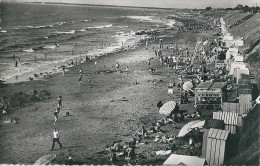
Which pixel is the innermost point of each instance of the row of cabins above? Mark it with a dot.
(218, 140)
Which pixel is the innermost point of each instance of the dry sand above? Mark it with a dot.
(111, 107)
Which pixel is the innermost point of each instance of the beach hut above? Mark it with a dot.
(238, 72)
(235, 66)
(234, 108)
(245, 103)
(176, 159)
(215, 146)
(209, 93)
(244, 89)
(219, 64)
(231, 52)
(245, 79)
(230, 120)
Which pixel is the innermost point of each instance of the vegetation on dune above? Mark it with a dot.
(247, 51)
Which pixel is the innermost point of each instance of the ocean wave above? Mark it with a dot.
(3, 31)
(28, 50)
(144, 18)
(81, 30)
(100, 27)
(60, 23)
(51, 46)
(171, 23)
(34, 27)
(44, 26)
(61, 33)
(123, 37)
(85, 20)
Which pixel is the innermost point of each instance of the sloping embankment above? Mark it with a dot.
(248, 27)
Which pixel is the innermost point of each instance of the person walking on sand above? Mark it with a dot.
(60, 102)
(126, 71)
(56, 116)
(80, 71)
(56, 138)
(80, 78)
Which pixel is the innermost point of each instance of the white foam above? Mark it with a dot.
(69, 32)
(3, 31)
(153, 19)
(51, 46)
(171, 23)
(100, 27)
(82, 30)
(144, 18)
(60, 23)
(28, 50)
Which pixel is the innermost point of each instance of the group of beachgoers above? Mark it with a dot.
(202, 74)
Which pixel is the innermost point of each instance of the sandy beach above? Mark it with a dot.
(106, 106)
(110, 106)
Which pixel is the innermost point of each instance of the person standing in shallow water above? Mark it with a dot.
(56, 138)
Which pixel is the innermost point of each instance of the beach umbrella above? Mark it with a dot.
(198, 124)
(167, 108)
(187, 85)
(187, 128)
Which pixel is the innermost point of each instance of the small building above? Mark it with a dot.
(234, 108)
(220, 64)
(238, 73)
(244, 89)
(215, 146)
(230, 120)
(209, 93)
(184, 160)
(245, 79)
(236, 65)
(245, 103)
(231, 52)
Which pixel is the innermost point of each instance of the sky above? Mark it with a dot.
(162, 3)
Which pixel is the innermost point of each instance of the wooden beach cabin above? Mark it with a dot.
(184, 160)
(238, 72)
(245, 103)
(220, 64)
(234, 108)
(245, 94)
(230, 120)
(209, 93)
(216, 146)
(245, 79)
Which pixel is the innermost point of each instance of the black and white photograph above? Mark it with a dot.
(129, 82)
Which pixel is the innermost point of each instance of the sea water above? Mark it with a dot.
(43, 37)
